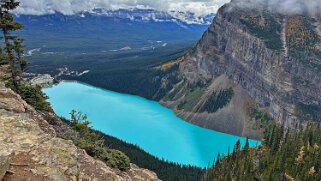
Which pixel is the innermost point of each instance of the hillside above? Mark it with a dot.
(30, 148)
(251, 66)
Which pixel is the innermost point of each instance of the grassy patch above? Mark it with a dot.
(191, 99)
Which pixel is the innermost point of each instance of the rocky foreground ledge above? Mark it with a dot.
(30, 150)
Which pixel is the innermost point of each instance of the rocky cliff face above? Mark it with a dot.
(30, 150)
(272, 62)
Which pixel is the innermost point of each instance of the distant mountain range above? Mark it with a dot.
(150, 15)
(145, 15)
(106, 30)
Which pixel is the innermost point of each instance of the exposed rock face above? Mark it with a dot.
(45, 79)
(35, 153)
(274, 58)
(4, 166)
(40, 79)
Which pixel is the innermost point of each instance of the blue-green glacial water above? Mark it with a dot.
(139, 121)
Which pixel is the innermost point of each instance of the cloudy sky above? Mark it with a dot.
(284, 6)
(68, 7)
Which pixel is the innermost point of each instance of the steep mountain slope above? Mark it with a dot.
(30, 149)
(251, 66)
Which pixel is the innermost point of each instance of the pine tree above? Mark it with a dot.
(19, 49)
(246, 146)
(237, 147)
(8, 25)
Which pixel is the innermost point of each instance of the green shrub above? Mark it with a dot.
(94, 145)
(35, 97)
(118, 160)
(113, 158)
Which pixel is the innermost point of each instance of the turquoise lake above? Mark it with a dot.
(139, 121)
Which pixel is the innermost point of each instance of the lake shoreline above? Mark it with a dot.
(144, 123)
(159, 102)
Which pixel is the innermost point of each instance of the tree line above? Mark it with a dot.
(284, 155)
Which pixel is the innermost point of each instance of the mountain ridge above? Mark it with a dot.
(264, 55)
(142, 15)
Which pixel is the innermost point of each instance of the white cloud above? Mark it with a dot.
(199, 7)
(68, 7)
(283, 6)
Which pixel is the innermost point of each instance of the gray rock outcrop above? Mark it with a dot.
(30, 150)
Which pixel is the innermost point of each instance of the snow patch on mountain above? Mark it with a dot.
(147, 15)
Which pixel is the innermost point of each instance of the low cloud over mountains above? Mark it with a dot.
(283, 6)
(69, 7)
